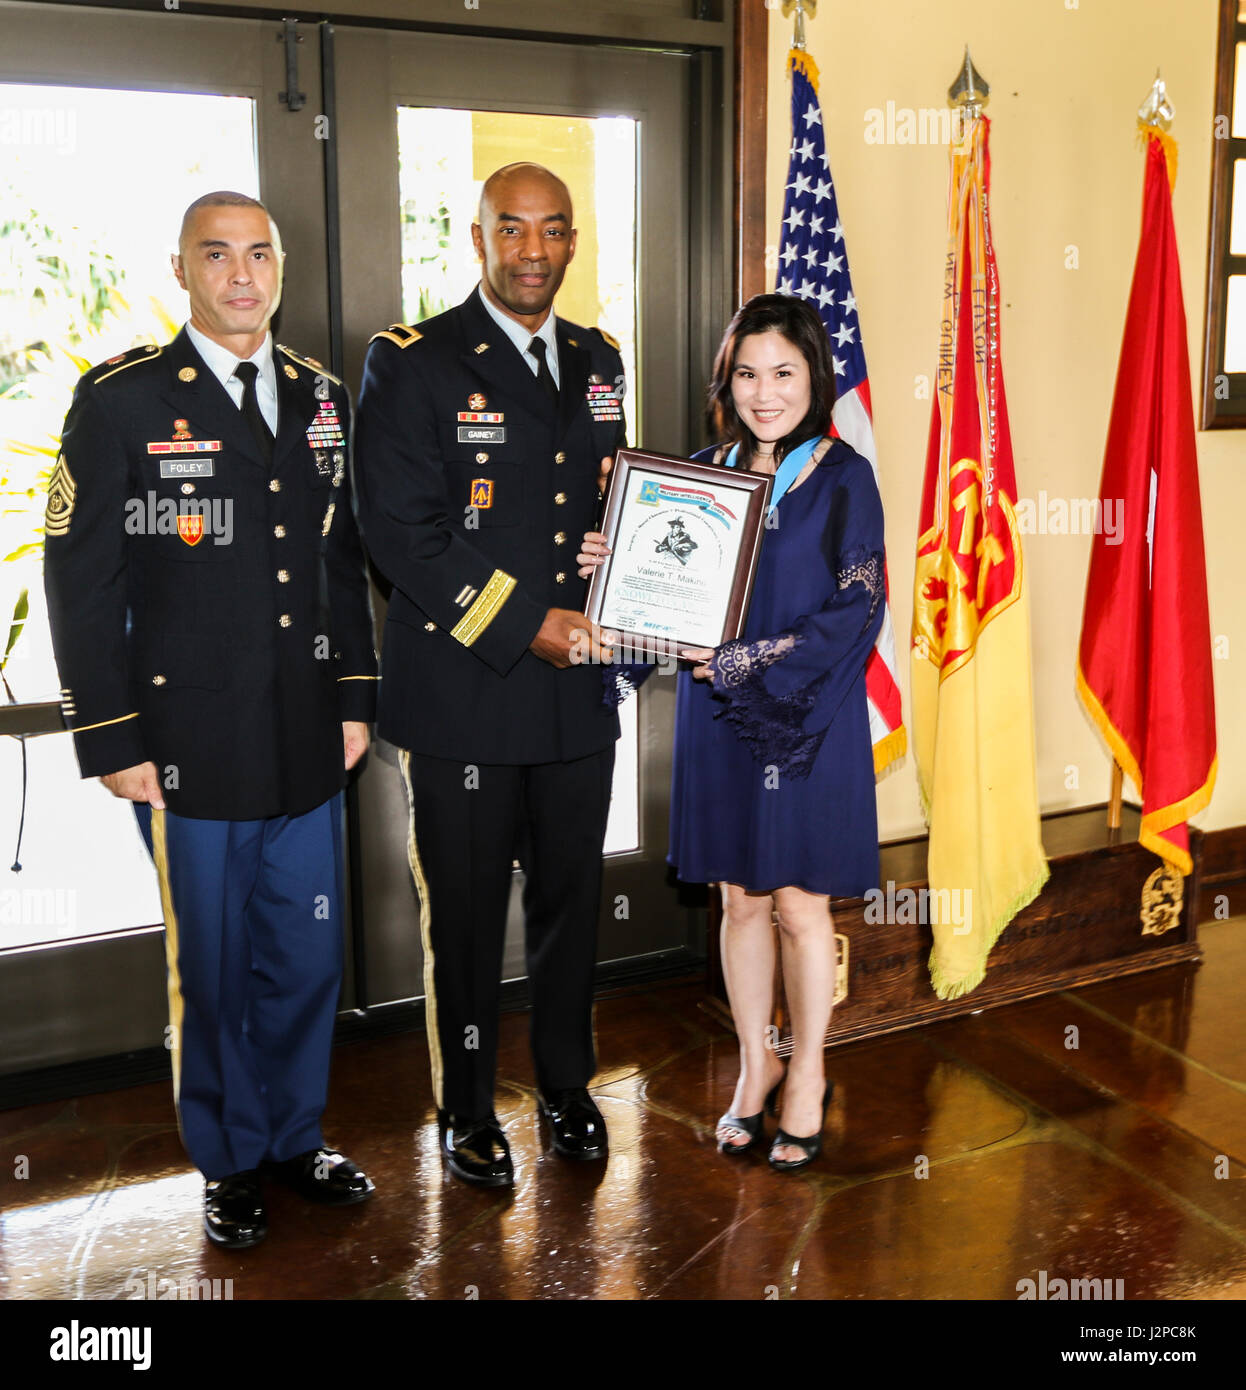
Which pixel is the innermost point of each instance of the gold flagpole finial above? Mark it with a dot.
(801, 7)
(970, 91)
(1157, 110)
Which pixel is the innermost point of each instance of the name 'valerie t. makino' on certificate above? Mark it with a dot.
(684, 538)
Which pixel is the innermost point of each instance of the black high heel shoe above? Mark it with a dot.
(811, 1147)
(748, 1124)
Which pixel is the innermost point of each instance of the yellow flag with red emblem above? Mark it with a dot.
(972, 704)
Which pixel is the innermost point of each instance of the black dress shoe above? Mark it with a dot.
(325, 1176)
(476, 1150)
(579, 1130)
(233, 1210)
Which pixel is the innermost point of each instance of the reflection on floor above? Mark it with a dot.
(1096, 1134)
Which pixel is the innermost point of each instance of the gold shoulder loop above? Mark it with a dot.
(309, 362)
(401, 334)
(103, 370)
(614, 342)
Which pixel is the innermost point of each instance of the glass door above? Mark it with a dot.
(436, 115)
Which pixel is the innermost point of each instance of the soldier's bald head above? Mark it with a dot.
(222, 198)
(513, 177)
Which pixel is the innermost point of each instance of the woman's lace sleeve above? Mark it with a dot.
(771, 725)
(619, 681)
(863, 566)
(780, 693)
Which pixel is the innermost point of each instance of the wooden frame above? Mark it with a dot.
(756, 488)
(752, 44)
(1224, 393)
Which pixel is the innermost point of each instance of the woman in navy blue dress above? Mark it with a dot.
(773, 783)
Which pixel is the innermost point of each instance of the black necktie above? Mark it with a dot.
(247, 372)
(545, 378)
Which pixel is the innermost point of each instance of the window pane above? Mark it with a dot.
(93, 182)
(444, 157)
(1235, 325)
(1239, 94)
(1237, 223)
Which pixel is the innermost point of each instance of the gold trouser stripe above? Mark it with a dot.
(426, 939)
(104, 723)
(160, 852)
(485, 609)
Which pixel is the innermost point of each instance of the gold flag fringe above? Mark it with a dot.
(1152, 132)
(946, 987)
(798, 58)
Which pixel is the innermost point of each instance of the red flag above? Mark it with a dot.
(1144, 664)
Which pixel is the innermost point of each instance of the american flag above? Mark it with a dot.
(813, 264)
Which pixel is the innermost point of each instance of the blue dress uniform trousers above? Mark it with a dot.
(253, 934)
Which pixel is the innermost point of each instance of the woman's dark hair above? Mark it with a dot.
(799, 323)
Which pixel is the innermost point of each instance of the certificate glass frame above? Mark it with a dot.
(685, 539)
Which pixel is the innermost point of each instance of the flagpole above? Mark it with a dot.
(971, 91)
(1114, 804)
(800, 7)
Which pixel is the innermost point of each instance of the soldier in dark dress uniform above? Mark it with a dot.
(482, 435)
(210, 617)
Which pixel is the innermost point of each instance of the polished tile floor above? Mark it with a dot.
(1097, 1134)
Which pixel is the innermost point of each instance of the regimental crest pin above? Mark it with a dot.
(181, 429)
(190, 528)
(476, 401)
(482, 493)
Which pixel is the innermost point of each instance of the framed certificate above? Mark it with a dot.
(685, 539)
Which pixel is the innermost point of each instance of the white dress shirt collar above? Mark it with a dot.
(221, 362)
(521, 337)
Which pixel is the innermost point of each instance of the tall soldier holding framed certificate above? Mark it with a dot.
(481, 436)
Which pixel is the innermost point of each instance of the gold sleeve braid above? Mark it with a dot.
(485, 609)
